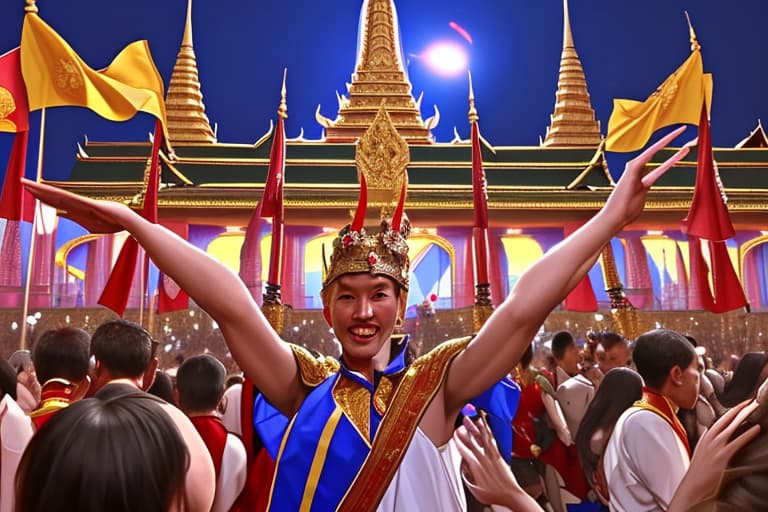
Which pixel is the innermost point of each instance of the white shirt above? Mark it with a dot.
(231, 415)
(574, 396)
(15, 433)
(644, 462)
(232, 475)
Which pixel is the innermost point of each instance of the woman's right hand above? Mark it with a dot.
(95, 216)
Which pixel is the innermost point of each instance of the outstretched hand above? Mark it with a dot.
(95, 216)
(628, 198)
(713, 453)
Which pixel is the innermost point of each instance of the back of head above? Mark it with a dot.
(560, 342)
(120, 455)
(123, 347)
(200, 381)
(657, 352)
(745, 380)
(620, 388)
(611, 339)
(20, 360)
(62, 353)
(7, 379)
(162, 387)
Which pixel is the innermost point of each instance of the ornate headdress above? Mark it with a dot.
(382, 158)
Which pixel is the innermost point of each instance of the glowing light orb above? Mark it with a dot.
(446, 58)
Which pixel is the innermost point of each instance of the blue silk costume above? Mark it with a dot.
(320, 451)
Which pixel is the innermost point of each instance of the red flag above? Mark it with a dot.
(729, 294)
(700, 294)
(582, 297)
(16, 203)
(270, 206)
(118, 288)
(170, 296)
(479, 184)
(708, 216)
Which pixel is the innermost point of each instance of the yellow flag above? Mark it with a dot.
(56, 76)
(677, 100)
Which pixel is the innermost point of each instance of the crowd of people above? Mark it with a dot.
(377, 429)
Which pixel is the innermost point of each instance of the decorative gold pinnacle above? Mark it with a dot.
(472, 115)
(31, 6)
(187, 121)
(573, 121)
(694, 42)
(623, 312)
(282, 110)
(379, 76)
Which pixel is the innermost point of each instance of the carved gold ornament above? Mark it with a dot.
(67, 77)
(7, 105)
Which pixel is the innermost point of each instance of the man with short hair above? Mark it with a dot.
(612, 352)
(125, 364)
(61, 362)
(648, 453)
(566, 356)
(200, 388)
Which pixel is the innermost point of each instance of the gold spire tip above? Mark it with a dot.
(567, 33)
(31, 6)
(282, 111)
(694, 42)
(186, 39)
(472, 115)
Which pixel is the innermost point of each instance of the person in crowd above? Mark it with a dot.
(612, 351)
(200, 388)
(15, 433)
(162, 387)
(364, 296)
(648, 452)
(124, 365)
(623, 387)
(751, 371)
(28, 392)
(566, 356)
(61, 360)
(122, 454)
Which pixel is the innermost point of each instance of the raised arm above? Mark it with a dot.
(503, 339)
(255, 346)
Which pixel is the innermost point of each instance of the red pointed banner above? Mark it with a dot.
(581, 298)
(480, 203)
(729, 294)
(15, 203)
(708, 216)
(118, 288)
(270, 206)
(700, 294)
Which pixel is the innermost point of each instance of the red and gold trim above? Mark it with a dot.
(658, 403)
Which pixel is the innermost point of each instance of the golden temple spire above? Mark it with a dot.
(30, 6)
(187, 121)
(380, 76)
(472, 114)
(573, 121)
(282, 110)
(694, 42)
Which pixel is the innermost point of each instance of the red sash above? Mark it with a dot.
(655, 402)
(214, 435)
(55, 396)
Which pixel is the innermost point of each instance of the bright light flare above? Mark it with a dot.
(446, 58)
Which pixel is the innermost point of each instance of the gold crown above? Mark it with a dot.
(382, 158)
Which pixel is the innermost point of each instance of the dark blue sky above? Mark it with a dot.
(627, 48)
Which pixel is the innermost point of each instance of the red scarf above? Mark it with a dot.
(655, 402)
(214, 435)
(56, 395)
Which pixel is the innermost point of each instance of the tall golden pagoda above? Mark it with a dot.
(187, 121)
(379, 77)
(573, 121)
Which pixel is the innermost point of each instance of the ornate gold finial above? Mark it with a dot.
(187, 121)
(379, 75)
(623, 312)
(694, 42)
(282, 110)
(31, 6)
(473, 116)
(573, 121)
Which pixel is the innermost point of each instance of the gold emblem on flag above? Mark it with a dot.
(67, 77)
(7, 105)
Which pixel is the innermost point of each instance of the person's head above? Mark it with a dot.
(21, 360)
(200, 384)
(163, 387)
(621, 387)
(565, 352)
(669, 365)
(749, 374)
(612, 352)
(7, 379)
(120, 455)
(123, 350)
(62, 354)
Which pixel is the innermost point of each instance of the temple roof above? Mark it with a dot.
(756, 138)
(573, 121)
(187, 121)
(379, 78)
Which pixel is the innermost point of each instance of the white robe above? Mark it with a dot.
(428, 478)
(234, 471)
(15, 433)
(644, 462)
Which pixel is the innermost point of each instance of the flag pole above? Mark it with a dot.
(142, 285)
(27, 285)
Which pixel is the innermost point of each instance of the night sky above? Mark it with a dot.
(627, 49)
